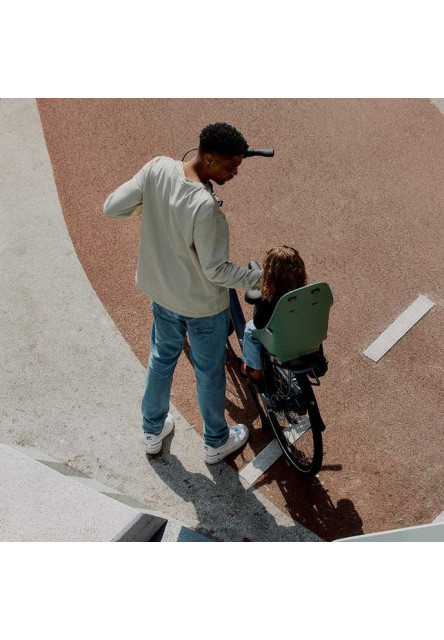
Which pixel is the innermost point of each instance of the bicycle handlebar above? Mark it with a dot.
(266, 153)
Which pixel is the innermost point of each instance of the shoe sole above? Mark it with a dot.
(154, 450)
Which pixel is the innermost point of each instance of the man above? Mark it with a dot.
(183, 267)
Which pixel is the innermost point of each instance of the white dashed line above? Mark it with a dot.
(261, 462)
(399, 328)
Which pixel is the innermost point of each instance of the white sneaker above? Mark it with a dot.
(153, 443)
(238, 436)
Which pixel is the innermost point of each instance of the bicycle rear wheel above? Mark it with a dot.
(297, 425)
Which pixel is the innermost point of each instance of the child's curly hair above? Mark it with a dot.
(284, 271)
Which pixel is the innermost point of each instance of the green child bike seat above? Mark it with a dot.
(299, 322)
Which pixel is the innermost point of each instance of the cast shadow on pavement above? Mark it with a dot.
(227, 511)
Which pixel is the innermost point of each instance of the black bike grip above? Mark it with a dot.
(266, 153)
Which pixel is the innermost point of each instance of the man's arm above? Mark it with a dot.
(126, 200)
(211, 239)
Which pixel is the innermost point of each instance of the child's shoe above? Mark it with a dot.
(256, 374)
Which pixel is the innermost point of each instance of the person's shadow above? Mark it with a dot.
(227, 511)
(223, 506)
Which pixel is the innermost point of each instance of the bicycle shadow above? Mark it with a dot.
(307, 501)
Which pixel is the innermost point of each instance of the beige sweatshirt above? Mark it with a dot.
(184, 242)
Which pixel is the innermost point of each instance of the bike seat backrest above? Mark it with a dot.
(299, 322)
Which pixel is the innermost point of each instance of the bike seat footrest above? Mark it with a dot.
(313, 361)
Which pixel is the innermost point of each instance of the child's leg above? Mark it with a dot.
(251, 354)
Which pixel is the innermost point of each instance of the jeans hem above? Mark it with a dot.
(250, 364)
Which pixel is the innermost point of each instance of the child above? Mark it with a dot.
(284, 271)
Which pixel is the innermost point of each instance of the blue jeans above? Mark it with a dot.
(251, 353)
(207, 337)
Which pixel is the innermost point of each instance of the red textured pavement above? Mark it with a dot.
(357, 187)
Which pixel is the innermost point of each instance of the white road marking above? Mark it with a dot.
(261, 462)
(399, 328)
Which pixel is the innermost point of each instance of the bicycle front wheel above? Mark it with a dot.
(297, 426)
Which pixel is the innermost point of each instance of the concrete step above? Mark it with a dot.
(433, 532)
(174, 531)
(42, 499)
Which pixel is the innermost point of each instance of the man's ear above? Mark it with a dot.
(208, 157)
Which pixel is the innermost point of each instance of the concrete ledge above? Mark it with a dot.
(140, 529)
(174, 531)
(41, 500)
(143, 524)
(433, 532)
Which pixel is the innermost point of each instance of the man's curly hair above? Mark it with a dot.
(284, 271)
(222, 138)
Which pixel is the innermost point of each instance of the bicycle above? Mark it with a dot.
(284, 397)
